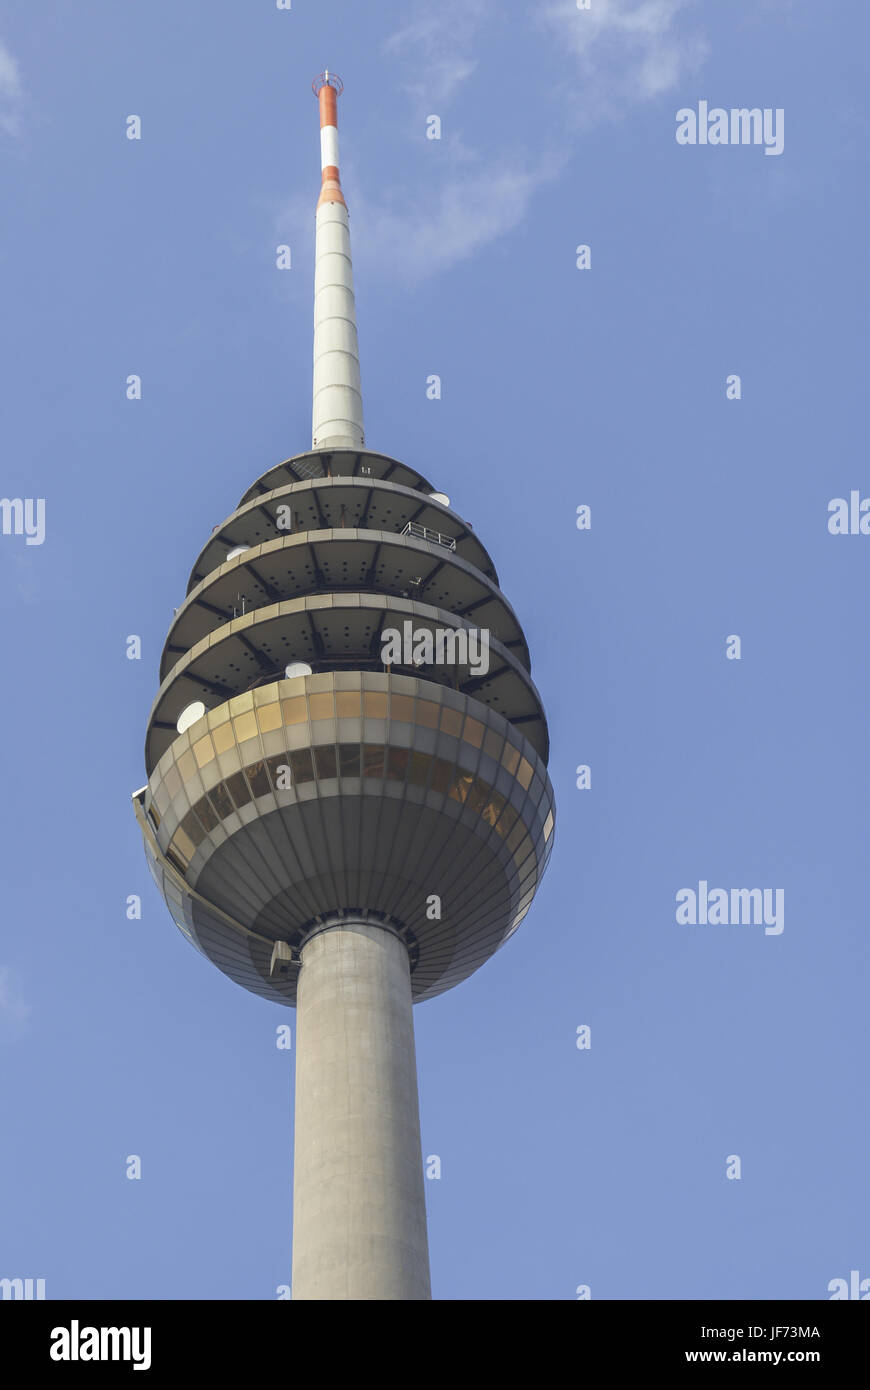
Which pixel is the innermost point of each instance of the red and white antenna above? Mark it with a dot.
(337, 414)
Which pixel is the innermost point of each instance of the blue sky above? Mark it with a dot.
(561, 387)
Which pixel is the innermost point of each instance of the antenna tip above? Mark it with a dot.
(327, 79)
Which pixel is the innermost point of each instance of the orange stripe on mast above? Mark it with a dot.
(327, 88)
(328, 98)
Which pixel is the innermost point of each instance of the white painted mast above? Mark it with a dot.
(337, 414)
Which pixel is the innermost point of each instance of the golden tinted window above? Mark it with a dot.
(322, 706)
(295, 711)
(203, 751)
(186, 766)
(177, 859)
(245, 726)
(348, 704)
(451, 721)
(183, 845)
(375, 704)
(492, 743)
(510, 758)
(269, 717)
(524, 775)
(172, 782)
(402, 707)
(223, 738)
(427, 714)
(473, 733)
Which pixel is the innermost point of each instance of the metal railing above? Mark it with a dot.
(423, 533)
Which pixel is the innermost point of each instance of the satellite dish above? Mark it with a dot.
(189, 715)
(239, 550)
(440, 497)
(297, 668)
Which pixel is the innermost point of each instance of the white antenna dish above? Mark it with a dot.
(189, 715)
(239, 550)
(440, 497)
(297, 668)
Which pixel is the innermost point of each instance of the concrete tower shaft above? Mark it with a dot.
(337, 413)
(359, 1211)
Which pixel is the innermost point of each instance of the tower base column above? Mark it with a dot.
(359, 1211)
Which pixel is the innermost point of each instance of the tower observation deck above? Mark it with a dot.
(347, 806)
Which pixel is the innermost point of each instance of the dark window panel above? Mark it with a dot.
(324, 758)
(258, 778)
(301, 766)
(238, 789)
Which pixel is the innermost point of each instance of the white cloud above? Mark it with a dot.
(627, 51)
(611, 57)
(453, 222)
(11, 92)
(13, 1010)
(438, 43)
(442, 225)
